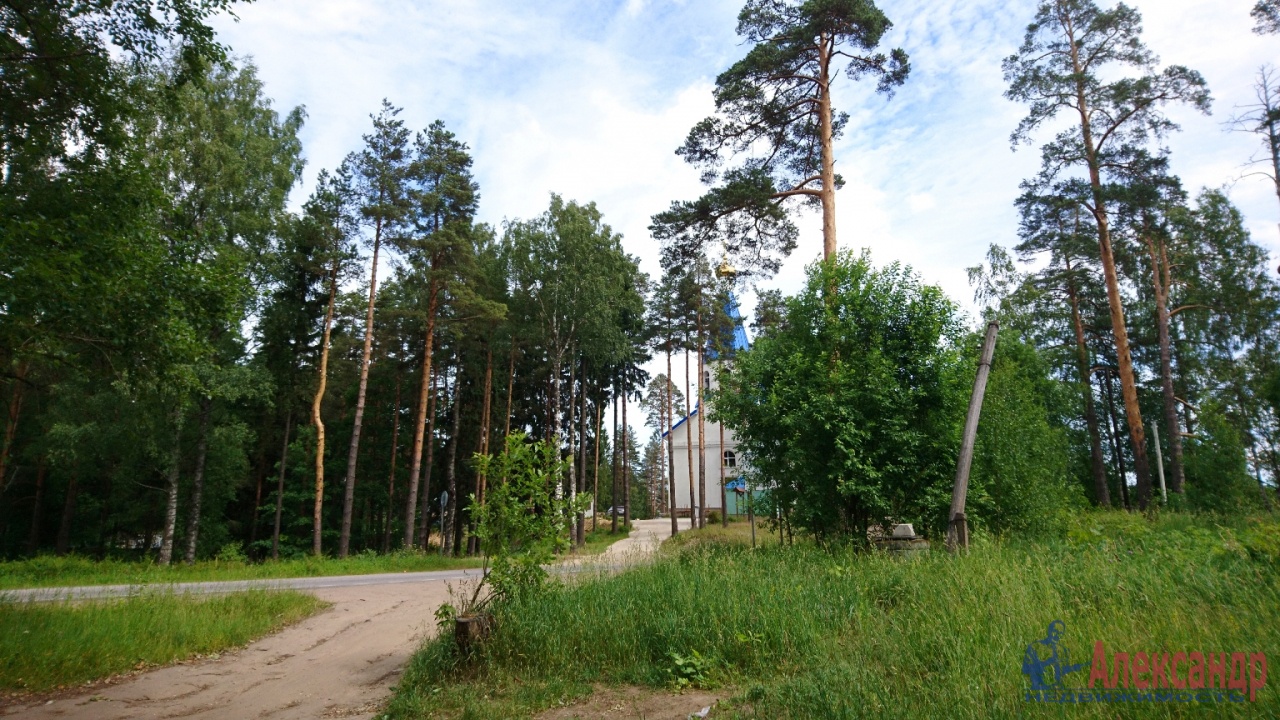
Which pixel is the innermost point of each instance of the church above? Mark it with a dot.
(724, 463)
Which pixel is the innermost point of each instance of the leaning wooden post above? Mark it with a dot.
(957, 527)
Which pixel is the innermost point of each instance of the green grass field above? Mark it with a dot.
(50, 645)
(52, 571)
(798, 632)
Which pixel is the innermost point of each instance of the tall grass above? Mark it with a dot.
(797, 632)
(52, 571)
(48, 645)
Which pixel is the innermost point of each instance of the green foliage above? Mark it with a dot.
(1018, 481)
(50, 645)
(849, 410)
(799, 632)
(523, 522)
(690, 670)
(1217, 472)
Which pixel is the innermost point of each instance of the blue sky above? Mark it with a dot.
(590, 100)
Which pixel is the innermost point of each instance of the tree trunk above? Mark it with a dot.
(391, 477)
(826, 132)
(1161, 280)
(671, 447)
(353, 453)
(613, 493)
(284, 462)
(1115, 445)
(11, 422)
(171, 492)
(573, 449)
(315, 410)
(68, 516)
(581, 520)
(1096, 462)
(688, 432)
(197, 484)
(482, 479)
(595, 476)
(419, 426)
(702, 414)
(724, 495)
(451, 477)
(626, 463)
(1128, 385)
(424, 499)
(257, 494)
(37, 508)
(511, 380)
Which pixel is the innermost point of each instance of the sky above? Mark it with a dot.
(591, 99)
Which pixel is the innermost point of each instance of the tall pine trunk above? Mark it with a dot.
(315, 411)
(63, 543)
(573, 449)
(1128, 384)
(451, 476)
(1161, 278)
(353, 453)
(580, 523)
(391, 479)
(197, 483)
(424, 499)
(11, 421)
(688, 432)
(613, 493)
(595, 476)
(1096, 463)
(37, 508)
(1117, 450)
(284, 463)
(826, 134)
(482, 479)
(419, 427)
(671, 445)
(626, 463)
(702, 434)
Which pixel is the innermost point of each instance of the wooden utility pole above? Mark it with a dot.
(957, 526)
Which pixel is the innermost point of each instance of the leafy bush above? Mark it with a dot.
(850, 408)
(1019, 480)
(1217, 474)
(523, 522)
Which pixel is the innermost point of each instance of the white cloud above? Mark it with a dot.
(590, 101)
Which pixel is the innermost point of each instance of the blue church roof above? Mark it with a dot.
(740, 341)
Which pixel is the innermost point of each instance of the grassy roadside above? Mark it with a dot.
(45, 646)
(52, 571)
(600, 540)
(797, 632)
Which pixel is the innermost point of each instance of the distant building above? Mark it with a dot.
(724, 463)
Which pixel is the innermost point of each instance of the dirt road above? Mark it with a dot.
(341, 663)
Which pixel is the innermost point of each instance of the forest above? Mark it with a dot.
(193, 365)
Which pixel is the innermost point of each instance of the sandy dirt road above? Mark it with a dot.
(340, 663)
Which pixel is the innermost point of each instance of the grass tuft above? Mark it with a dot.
(44, 646)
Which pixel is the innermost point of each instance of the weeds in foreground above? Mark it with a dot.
(797, 632)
